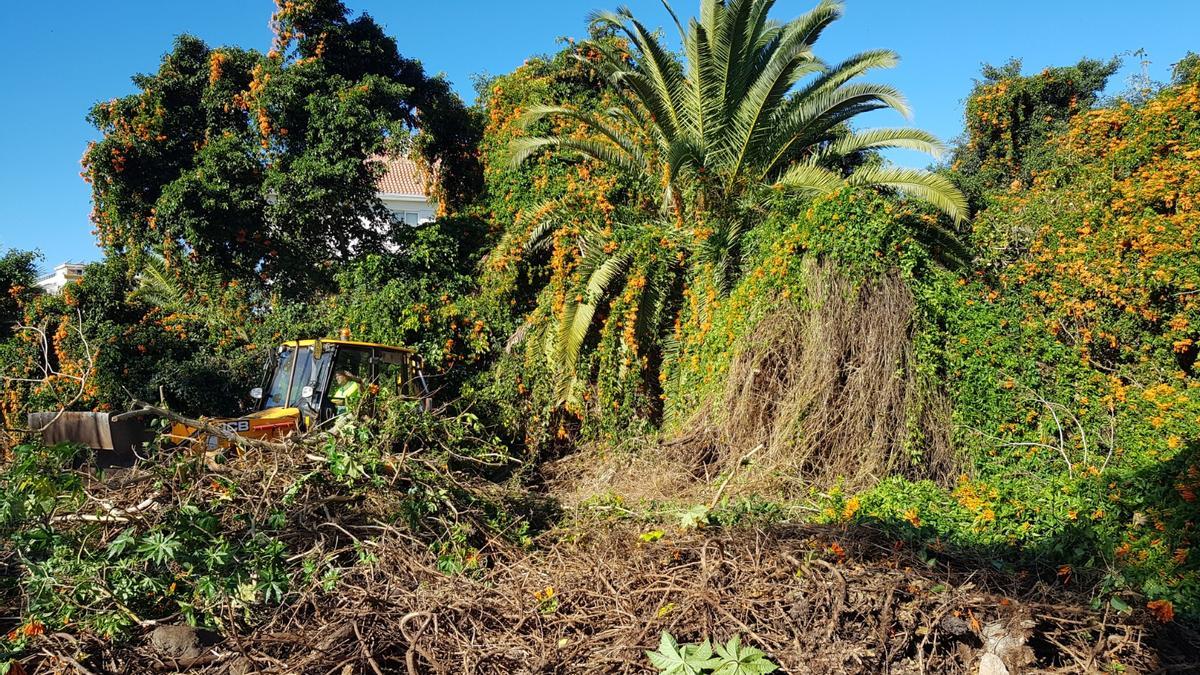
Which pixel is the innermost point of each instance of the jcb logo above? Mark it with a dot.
(237, 426)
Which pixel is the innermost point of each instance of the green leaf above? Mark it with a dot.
(123, 541)
(738, 660)
(1119, 604)
(694, 518)
(674, 659)
(159, 547)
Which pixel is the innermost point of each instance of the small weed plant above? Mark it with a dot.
(731, 658)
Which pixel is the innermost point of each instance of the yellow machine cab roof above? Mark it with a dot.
(353, 343)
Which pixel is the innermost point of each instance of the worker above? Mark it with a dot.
(348, 387)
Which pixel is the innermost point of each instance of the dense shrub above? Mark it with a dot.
(1071, 368)
(523, 284)
(105, 345)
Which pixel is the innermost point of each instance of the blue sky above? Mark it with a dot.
(61, 57)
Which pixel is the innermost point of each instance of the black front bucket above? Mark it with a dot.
(121, 438)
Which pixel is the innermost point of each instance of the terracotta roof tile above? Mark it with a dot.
(402, 176)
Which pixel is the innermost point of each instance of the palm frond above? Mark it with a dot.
(595, 124)
(802, 122)
(652, 303)
(929, 187)
(522, 148)
(841, 74)
(810, 179)
(657, 76)
(577, 317)
(539, 236)
(157, 286)
(674, 17)
(907, 138)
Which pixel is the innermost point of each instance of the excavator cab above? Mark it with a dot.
(317, 378)
(307, 383)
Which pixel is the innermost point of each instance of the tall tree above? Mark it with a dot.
(250, 166)
(747, 108)
(17, 276)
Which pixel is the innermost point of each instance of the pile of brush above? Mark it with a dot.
(816, 600)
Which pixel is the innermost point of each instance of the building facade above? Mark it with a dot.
(402, 190)
(62, 275)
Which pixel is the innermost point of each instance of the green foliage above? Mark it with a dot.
(420, 297)
(602, 284)
(732, 658)
(1186, 70)
(187, 560)
(520, 389)
(232, 191)
(694, 518)
(106, 342)
(17, 278)
(1067, 358)
(605, 231)
(1069, 361)
(257, 167)
(698, 139)
(865, 234)
(675, 659)
(234, 546)
(737, 659)
(1010, 118)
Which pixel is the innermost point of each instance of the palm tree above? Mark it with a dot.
(157, 286)
(748, 107)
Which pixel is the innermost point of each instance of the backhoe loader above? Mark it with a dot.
(306, 383)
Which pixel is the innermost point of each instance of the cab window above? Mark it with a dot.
(295, 369)
(353, 362)
(277, 394)
(350, 373)
(395, 371)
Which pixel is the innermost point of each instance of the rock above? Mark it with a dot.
(955, 625)
(1005, 641)
(176, 642)
(991, 664)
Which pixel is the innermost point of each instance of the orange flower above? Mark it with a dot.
(912, 517)
(1064, 573)
(1162, 610)
(851, 508)
(837, 550)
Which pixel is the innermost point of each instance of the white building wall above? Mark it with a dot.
(410, 209)
(61, 276)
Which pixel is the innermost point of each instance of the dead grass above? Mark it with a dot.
(823, 390)
(595, 601)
